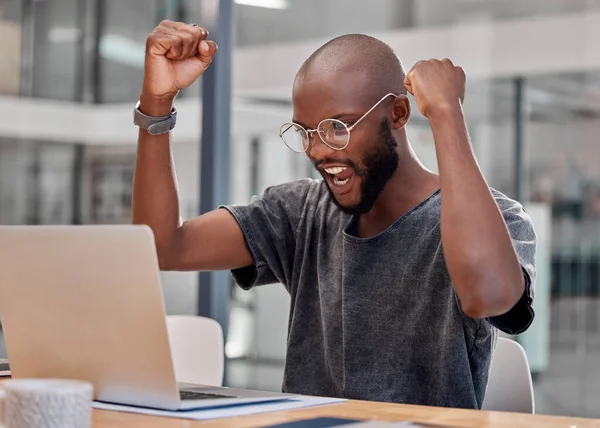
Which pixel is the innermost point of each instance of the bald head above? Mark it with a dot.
(348, 80)
(359, 54)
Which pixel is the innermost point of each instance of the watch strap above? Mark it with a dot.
(154, 125)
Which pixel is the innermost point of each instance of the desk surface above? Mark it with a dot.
(353, 410)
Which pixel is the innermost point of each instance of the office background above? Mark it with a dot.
(71, 70)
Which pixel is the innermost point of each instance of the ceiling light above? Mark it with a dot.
(269, 4)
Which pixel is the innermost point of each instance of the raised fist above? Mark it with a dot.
(176, 55)
(435, 85)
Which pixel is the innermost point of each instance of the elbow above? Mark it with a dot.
(164, 263)
(474, 307)
(167, 253)
(167, 256)
(478, 305)
(167, 242)
(492, 301)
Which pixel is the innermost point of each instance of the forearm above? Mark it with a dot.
(155, 195)
(477, 246)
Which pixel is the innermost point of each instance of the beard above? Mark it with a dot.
(379, 166)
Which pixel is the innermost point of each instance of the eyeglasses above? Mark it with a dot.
(334, 133)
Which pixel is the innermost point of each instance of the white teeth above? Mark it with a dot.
(339, 182)
(335, 170)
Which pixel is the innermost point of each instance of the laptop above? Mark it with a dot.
(85, 302)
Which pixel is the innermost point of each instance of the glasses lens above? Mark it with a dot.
(334, 133)
(294, 137)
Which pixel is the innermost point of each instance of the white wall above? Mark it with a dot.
(444, 12)
(486, 49)
(312, 19)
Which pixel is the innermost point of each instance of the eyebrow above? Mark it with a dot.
(337, 117)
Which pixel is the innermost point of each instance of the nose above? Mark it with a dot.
(317, 149)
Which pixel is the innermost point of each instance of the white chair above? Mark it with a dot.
(197, 349)
(510, 388)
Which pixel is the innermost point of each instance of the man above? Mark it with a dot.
(397, 276)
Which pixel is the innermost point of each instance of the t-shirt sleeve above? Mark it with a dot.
(269, 224)
(519, 318)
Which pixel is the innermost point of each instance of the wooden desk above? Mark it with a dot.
(353, 410)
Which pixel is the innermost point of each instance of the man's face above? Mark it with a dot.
(356, 175)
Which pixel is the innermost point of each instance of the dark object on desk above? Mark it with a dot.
(317, 423)
(194, 395)
(339, 422)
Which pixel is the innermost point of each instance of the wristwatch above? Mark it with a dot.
(154, 125)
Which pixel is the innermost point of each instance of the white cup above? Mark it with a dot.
(46, 403)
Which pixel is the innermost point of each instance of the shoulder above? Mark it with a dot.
(517, 219)
(510, 207)
(504, 201)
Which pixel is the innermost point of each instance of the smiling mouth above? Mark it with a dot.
(334, 178)
(339, 178)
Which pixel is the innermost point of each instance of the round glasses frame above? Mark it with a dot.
(310, 133)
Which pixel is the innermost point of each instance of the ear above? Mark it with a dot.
(400, 111)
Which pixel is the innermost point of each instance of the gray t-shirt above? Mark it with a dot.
(377, 318)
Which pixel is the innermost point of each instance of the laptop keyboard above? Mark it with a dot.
(194, 395)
